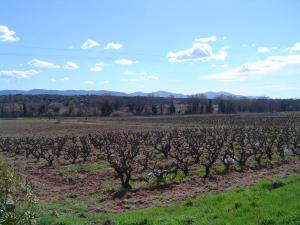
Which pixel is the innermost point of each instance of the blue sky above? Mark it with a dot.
(244, 47)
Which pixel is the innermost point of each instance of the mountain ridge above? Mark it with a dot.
(160, 93)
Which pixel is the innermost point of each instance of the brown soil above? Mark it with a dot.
(74, 181)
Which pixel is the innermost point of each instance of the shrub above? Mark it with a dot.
(17, 201)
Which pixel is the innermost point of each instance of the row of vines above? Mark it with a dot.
(153, 155)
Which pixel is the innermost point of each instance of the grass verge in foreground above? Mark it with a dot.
(267, 203)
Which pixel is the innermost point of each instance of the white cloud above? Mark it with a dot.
(43, 64)
(89, 44)
(7, 35)
(125, 62)
(113, 45)
(98, 67)
(201, 51)
(128, 73)
(206, 39)
(152, 77)
(105, 82)
(224, 66)
(142, 76)
(295, 47)
(16, 74)
(263, 50)
(65, 79)
(61, 79)
(71, 65)
(213, 65)
(268, 66)
(89, 82)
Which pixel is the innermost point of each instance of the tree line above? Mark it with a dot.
(85, 106)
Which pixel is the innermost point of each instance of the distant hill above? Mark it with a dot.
(212, 95)
(65, 92)
(164, 94)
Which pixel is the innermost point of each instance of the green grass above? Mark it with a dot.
(261, 204)
(97, 166)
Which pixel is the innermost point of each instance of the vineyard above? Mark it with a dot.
(119, 162)
(157, 154)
